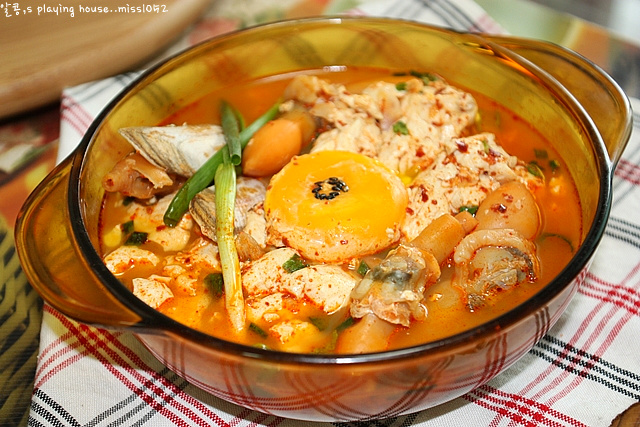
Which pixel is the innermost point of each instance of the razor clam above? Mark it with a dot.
(249, 193)
(180, 150)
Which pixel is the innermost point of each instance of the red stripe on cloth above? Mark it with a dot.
(625, 297)
(74, 113)
(602, 328)
(521, 410)
(104, 345)
(628, 171)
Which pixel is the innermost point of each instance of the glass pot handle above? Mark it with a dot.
(599, 94)
(52, 262)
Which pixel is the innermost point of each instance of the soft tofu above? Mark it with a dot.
(150, 219)
(461, 176)
(185, 267)
(126, 257)
(327, 286)
(153, 291)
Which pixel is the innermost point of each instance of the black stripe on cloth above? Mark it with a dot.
(583, 364)
(404, 421)
(46, 412)
(624, 231)
(49, 410)
(141, 408)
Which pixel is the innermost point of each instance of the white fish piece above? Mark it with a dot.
(180, 150)
(250, 192)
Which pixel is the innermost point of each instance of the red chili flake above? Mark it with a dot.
(462, 146)
(420, 152)
(508, 197)
(344, 242)
(424, 195)
(499, 207)
(434, 202)
(409, 210)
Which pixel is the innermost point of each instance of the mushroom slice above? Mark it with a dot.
(487, 261)
(249, 193)
(181, 150)
(394, 289)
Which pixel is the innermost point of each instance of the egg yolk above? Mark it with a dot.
(333, 206)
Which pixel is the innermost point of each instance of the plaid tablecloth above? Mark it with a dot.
(584, 372)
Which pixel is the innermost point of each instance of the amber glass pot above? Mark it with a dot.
(573, 103)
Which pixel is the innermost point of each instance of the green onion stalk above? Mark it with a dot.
(206, 174)
(225, 200)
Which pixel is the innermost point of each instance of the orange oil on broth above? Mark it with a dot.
(447, 315)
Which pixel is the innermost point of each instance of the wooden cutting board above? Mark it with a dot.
(41, 52)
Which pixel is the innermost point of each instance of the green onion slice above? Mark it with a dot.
(206, 174)
(231, 131)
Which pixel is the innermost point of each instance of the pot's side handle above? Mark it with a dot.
(50, 260)
(599, 94)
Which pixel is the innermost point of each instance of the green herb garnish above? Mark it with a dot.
(127, 227)
(294, 263)
(540, 153)
(425, 77)
(349, 321)
(472, 209)
(257, 330)
(554, 165)
(401, 86)
(363, 267)
(215, 283)
(535, 169)
(400, 128)
(318, 323)
(136, 238)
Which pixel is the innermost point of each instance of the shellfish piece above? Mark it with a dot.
(487, 261)
(249, 193)
(362, 216)
(181, 150)
(394, 290)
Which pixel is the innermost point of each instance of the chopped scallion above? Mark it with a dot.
(215, 283)
(400, 128)
(472, 209)
(294, 263)
(136, 238)
(535, 169)
(363, 268)
(127, 227)
(258, 330)
(540, 153)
